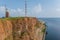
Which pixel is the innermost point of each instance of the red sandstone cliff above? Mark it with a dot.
(21, 29)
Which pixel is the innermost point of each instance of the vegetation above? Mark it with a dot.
(12, 18)
(36, 26)
(9, 38)
(43, 30)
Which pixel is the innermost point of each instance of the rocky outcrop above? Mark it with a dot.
(21, 29)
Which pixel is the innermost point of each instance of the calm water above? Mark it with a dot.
(53, 28)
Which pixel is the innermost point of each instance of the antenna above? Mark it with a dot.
(5, 8)
(25, 8)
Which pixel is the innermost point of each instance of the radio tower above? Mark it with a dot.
(25, 8)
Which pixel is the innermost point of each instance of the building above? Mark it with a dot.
(7, 14)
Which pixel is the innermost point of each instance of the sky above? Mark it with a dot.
(35, 8)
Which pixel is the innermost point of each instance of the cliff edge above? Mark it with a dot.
(23, 28)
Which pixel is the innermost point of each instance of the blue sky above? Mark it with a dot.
(35, 8)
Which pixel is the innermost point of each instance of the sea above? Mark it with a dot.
(53, 28)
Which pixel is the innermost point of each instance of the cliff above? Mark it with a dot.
(23, 28)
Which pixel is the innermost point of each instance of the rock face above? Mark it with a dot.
(21, 29)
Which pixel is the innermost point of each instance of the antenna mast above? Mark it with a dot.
(5, 9)
(25, 8)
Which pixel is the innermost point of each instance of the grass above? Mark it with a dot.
(43, 30)
(12, 18)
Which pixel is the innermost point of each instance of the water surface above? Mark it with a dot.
(53, 28)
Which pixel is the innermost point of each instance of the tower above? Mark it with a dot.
(25, 8)
(6, 12)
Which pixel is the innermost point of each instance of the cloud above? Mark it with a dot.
(17, 12)
(13, 12)
(2, 9)
(58, 9)
(37, 8)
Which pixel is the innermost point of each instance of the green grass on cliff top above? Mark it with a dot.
(14, 18)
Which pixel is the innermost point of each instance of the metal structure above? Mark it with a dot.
(25, 8)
